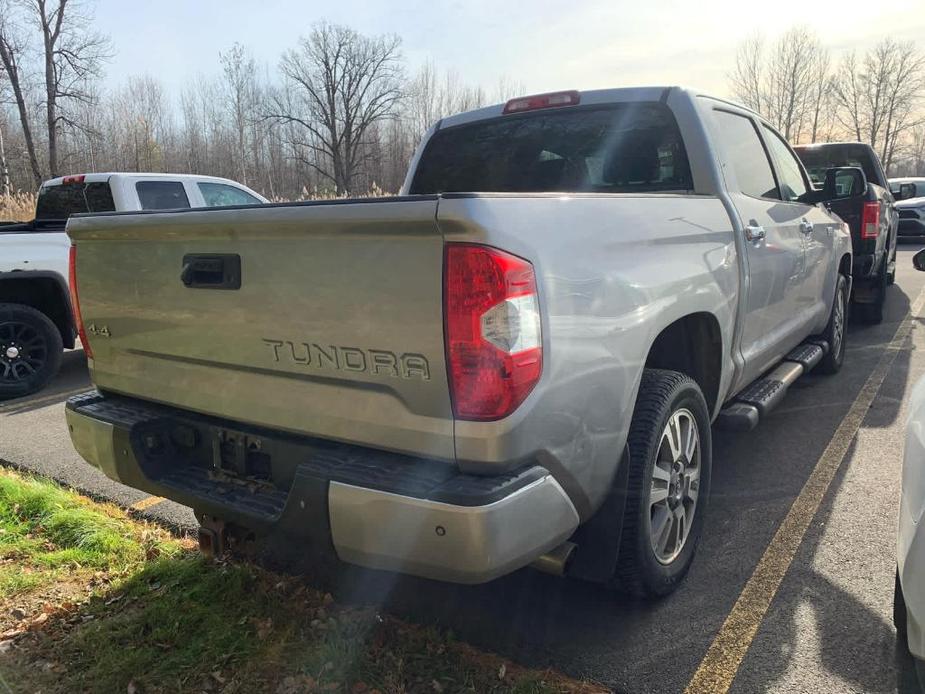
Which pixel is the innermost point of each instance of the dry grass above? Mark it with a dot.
(17, 207)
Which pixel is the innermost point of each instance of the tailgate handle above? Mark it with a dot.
(211, 271)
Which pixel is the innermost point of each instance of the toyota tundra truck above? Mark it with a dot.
(516, 361)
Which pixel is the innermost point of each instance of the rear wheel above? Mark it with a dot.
(835, 330)
(669, 482)
(873, 312)
(30, 350)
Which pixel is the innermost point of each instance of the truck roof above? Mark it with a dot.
(592, 96)
(100, 177)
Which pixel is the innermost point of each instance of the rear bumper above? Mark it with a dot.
(371, 508)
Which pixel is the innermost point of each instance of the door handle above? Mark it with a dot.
(211, 271)
(806, 226)
(754, 232)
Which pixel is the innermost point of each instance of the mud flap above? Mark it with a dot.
(598, 539)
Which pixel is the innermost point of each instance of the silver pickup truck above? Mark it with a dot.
(516, 361)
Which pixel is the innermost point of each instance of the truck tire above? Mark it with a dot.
(835, 330)
(669, 484)
(873, 312)
(30, 350)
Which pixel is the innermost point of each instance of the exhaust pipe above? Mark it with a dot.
(556, 561)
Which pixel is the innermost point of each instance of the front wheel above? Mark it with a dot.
(669, 482)
(835, 330)
(30, 350)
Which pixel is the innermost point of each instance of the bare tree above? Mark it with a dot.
(338, 85)
(878, 98)
(747, 78)
(240, 85)
(787, 86)
(12, 48)
(818, 97)
(72, 57)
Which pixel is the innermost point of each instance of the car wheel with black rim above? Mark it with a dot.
(30, 350)
(834, 333)
(669, 482)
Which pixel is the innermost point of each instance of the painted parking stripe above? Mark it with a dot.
(147, 503)
(719, 666)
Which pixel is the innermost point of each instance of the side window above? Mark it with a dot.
(792, 183)
(161, 195)
(220, 195)
(746, 154)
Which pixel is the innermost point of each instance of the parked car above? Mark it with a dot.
(36, 322)
(910, 196)
(909, 595)
(870, 213)
(516, 361)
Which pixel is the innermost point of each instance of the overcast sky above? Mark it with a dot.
(542, 44)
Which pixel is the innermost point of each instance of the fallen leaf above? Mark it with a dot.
(6, 645)
(436, 686)
(132, 688)
(359, 688)
(17, 614)
(114, 598)
(217, 676)
(502, 671)
(39, 621)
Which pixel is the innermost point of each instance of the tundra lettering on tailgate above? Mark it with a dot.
(372, 361)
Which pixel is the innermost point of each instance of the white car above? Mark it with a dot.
(909, 598)
(36, 322)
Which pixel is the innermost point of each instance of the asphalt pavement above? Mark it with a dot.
(828, 626)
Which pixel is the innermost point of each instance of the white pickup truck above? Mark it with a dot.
(515, 362)
(36, 322)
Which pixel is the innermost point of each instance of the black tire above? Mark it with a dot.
(873, 312)
(30, 350)
(639, 570)
(835, 331)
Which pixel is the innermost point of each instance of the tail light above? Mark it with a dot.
(75, 301)
(870, 220)
(493, 333)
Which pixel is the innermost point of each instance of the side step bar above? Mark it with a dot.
(762, 396)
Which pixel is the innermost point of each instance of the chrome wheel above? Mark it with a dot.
(675, 486)
(838, 323)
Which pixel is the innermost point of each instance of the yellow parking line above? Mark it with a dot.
(147, 503)
(722, 660)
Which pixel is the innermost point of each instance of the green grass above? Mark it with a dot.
(165, 619)
(47, 532)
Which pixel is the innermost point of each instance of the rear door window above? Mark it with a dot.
(221, 195)
(162, 195)
(789, 171)
(61, 201)
(746, 154)
(617, 148)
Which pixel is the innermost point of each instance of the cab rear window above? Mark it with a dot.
(618, 148)
(61, 201)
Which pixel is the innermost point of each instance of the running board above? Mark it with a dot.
(759, 398)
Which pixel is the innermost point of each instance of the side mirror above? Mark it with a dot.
(840, 182)
(918, 260)
(906, 191)
(844, 182)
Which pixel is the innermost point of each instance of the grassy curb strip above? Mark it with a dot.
(94, 600)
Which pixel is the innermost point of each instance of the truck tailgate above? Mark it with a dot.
(335, 329)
